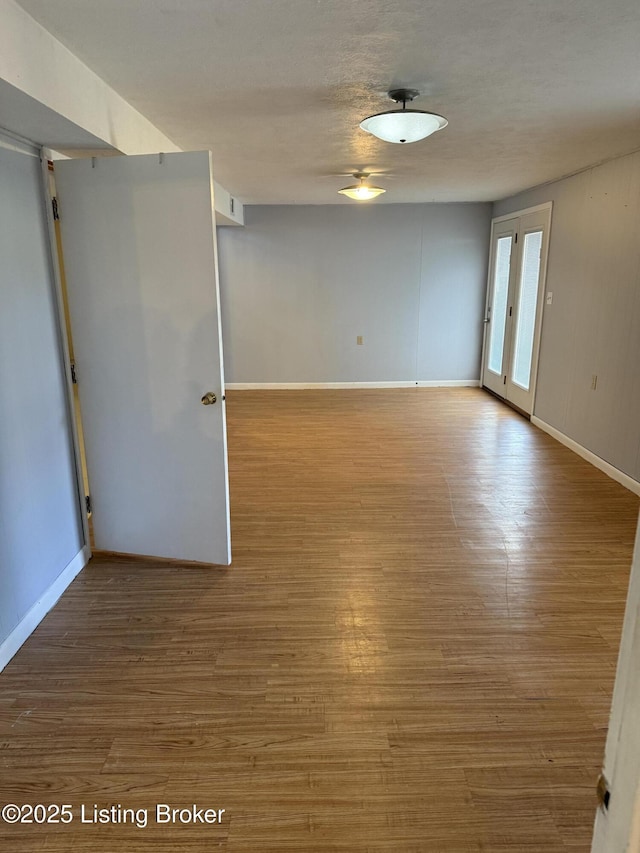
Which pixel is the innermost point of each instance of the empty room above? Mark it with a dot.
(319, 426)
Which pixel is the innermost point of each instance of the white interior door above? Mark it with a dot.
(139, 241)
(513, 322)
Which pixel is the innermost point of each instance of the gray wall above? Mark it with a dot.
(39, 514)
(593, 324)
(299, 284)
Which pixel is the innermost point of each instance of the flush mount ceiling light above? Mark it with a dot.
(403, 125)
(361, 191)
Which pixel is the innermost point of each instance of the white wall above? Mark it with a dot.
(299, 284)
(224, 201)
(40, 528)
(593, 324)
(37, 64)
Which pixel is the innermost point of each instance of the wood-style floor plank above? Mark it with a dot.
(414, 649)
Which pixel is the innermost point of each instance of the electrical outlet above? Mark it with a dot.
(359, 340)
(594, 382)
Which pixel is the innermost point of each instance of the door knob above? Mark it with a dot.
(209, 399)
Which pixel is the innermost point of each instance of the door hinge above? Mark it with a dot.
(504, 381)
(510, 309)
(87, 503)
(603, 792)
(54, 207)
(74, 375)
(516, 240)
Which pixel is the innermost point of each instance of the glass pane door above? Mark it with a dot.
(500, 299)
(526, 313)
(497, 322)
(514, 305)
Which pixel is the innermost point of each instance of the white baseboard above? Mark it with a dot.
(610, 470)
(448, 383)
(36, 614)
(302, 386)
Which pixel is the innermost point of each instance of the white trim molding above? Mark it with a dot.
(608, 469)
(547, 205)
(303, 386)
(36, 614)
(448, 383)
(12, 142)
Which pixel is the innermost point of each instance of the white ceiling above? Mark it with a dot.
(533, 89)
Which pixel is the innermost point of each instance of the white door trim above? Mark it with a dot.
(617, 828)
(548, 205)
(12, 142)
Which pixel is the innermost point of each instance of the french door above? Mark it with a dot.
(515, 297)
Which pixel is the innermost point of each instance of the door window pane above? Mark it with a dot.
(499, 307)
(526, 321)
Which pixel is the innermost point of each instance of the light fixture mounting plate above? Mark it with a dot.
(402, 95)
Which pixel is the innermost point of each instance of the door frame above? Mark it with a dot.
(617, 824)
(63, 339)
(538, 208)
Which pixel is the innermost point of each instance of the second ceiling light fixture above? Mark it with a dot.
(361, 191)
(398, 126)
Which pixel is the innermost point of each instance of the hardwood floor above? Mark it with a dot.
(414, 649)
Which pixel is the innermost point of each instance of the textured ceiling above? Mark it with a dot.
(533, 89)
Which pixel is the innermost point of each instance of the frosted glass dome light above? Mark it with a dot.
(403, 125)
(361, 191)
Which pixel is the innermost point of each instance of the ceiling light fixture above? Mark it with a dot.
(361, 191)
(403, 125)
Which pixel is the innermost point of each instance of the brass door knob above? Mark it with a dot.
(209, 399)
